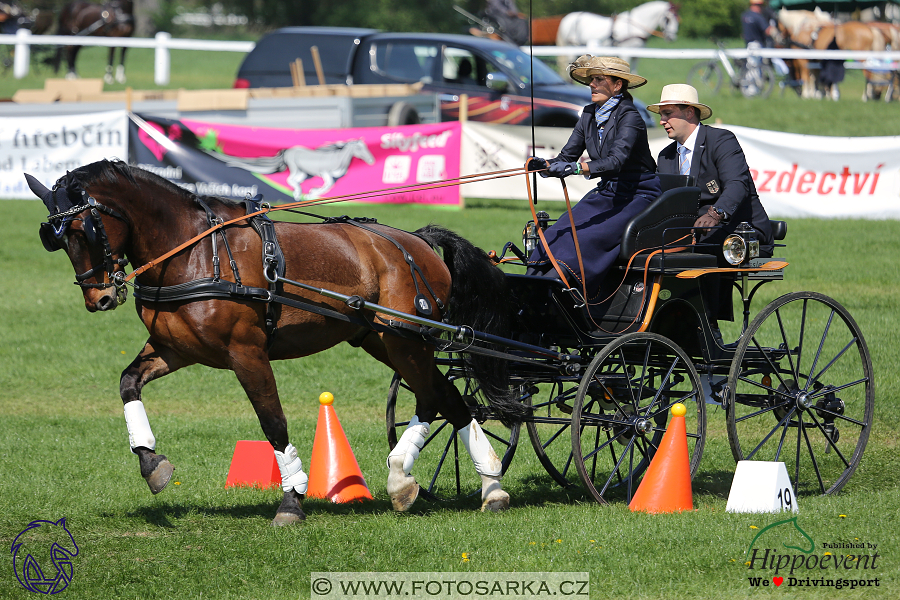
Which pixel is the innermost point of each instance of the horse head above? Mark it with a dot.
(92, 234)
(361, 151)
(669, 23)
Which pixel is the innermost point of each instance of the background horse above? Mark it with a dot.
(629, 29)
(113, 19)
(136, 217)
(816, 32)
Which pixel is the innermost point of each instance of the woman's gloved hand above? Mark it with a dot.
(563, 169)
(537, 164)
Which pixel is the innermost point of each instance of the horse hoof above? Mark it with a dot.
(159, 478)
(288, 518)
(496, 501)
(403, 499)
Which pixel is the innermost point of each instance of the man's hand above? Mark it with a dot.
(537, 164)
(707, 221)
(563, 169)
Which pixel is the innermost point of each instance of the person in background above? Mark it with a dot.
(614, 136)
(511, 24)
(715, 159)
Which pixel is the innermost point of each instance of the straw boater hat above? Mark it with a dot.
(681, 93)
(587, 66)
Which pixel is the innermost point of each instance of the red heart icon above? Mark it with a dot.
(778, 580)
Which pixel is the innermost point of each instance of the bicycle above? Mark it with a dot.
(752, 77)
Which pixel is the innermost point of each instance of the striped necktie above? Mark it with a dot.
(684, 162)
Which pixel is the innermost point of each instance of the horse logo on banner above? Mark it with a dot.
(40, 547)
(329, 162)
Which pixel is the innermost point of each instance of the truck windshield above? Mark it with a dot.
(520, 64)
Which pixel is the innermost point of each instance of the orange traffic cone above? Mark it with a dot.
(666, 486)
(333, 470)
(253, 464)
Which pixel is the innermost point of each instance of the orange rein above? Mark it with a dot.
(302, 203)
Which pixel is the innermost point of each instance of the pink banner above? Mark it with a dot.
(327, 163)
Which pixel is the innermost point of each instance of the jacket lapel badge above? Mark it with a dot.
(713, 187)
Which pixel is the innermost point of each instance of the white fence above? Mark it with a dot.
(163, 43)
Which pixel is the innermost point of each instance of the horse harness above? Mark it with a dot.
(113, 14)
(273, 264)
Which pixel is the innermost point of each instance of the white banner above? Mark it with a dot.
(47, 147)
(795, 175)
(818, 176)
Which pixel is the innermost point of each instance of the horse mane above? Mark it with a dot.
(113, 171)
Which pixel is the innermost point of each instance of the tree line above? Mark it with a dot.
(699, 18)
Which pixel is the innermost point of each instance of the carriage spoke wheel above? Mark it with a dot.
(622, 410)
(444, 469)
(549, 426)
(800, 391)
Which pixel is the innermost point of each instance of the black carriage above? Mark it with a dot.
(795, 385)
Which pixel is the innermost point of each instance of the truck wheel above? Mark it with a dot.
(402, 113)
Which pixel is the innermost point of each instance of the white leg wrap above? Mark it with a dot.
(139, 433)
(487, 463)
(410, 443)
(292, 475)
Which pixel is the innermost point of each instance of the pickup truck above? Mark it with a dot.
(497, 77)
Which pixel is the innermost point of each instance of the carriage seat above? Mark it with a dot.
(668, 218)
(779, 229)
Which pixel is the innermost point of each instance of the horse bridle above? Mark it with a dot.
(92, 225)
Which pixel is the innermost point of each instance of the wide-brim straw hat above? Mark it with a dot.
(585, 67)
(681, 93)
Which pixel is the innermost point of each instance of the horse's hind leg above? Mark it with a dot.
(150, 364)
(434, 394)
(71, 55)
(254, 372)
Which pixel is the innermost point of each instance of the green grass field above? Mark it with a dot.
(64, 453)
(64, 448)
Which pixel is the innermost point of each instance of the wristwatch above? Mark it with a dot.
(723, 216)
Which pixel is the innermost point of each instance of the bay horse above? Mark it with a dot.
(113, 19)
(107, 214)
(629, 29)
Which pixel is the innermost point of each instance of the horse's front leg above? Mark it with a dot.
(108, 76)
(254, 372)
(150, 364)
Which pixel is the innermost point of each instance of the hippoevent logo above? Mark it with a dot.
(42, 556)
(784, 554)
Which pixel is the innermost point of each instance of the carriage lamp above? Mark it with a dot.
(530, 237)
(742, 245)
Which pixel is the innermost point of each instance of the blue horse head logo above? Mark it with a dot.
(42, 556)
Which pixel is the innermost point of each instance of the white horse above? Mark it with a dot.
(330, 162)
(629, 29)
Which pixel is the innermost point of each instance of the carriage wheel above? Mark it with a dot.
(800, 391)
(548, 430)
(444, 469)
(622, 410)
(706, 77)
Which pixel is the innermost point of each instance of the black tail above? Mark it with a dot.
(479, 299)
